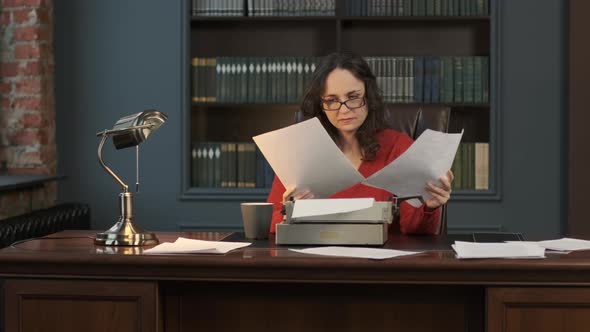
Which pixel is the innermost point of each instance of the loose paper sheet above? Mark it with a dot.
(467, 250)
(426, 160)
(357, 252)
(565, 244)
(305, 157)
(319, 207)
(184, 245)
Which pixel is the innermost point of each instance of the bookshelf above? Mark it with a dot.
(214, 119)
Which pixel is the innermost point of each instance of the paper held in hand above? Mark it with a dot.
(305, 157)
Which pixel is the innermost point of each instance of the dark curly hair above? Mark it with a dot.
(375, 121)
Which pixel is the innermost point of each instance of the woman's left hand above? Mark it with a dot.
(440, 194)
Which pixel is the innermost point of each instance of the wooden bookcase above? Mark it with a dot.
(316, 36)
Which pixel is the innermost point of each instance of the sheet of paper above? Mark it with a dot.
(184, 245)
(426, 160)
(565, 244)
(357, 252)
(320, 207)
(470, 250)
(304, 156)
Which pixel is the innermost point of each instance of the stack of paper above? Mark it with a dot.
(467, 250)
(184, 245)
(565, 244)
(357, 252)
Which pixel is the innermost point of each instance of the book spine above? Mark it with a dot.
(458, 75)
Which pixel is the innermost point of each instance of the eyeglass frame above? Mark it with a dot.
(364, 102)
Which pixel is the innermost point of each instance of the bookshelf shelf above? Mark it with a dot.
(436, 19)
(240, 41)
(267, 19)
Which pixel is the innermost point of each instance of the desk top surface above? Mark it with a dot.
(73, 254)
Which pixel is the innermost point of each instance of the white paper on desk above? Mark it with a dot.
(184, 245)
(305, 157)
(319, 207)
(357, 252)
(426, 160)
(565, 244)
(470, 250)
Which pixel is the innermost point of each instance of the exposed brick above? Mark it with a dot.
(21, 3)
(29, 33)
(5, 103)
(9, 69)
(43, 16)
(5, 156)
(43, 197)
(25, 16)
(25, 170)
(27, 120)
(31, 120)
(27, 51)
(28, 103)
(28, 86)
(49, 152)
(31, 68)
(4, 18)
(23, 137)
(14, 203)
(5, 87)
(29, 159)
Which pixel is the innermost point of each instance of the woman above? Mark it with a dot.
(343, 94)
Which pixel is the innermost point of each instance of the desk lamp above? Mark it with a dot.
(128, 131)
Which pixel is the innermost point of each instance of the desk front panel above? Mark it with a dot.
(264, 287)
(268, 307)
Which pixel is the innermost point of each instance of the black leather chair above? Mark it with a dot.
(413, 119)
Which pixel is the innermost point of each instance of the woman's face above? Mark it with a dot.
(342, 86)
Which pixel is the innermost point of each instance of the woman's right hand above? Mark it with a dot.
(291, 192)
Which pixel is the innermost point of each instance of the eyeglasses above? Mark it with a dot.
(335, 105)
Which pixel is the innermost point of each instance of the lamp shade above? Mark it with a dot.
(131, 130)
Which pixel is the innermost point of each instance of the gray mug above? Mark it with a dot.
(256, 218)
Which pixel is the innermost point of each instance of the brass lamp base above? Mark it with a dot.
(126, 233)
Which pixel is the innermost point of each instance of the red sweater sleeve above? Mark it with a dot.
(412, 220)
(276, 197)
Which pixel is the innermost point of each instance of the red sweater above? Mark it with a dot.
(392, 144)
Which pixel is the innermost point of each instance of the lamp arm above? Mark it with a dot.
(104, 138)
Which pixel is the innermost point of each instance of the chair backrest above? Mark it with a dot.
(413, 119)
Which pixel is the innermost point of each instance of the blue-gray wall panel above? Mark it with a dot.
(120, 57)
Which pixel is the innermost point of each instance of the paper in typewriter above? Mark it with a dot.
(304, 156)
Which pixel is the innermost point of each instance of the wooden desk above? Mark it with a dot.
(72, 285)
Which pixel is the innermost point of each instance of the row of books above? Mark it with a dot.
(229, 165)
(417, 7)
(471, 166)
(423, 79)
(432, 79)
(351, 7)
(242, 165)
(251, 80)
(264, 7)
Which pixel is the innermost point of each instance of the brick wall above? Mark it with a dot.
(27, 117)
